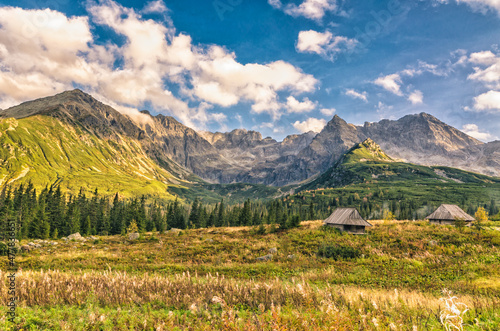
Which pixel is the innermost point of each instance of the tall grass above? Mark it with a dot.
(237, 304)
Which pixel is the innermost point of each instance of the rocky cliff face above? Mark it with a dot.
(245, 156)
(79, 108)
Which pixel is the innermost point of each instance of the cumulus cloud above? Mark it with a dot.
(328, 111)
(484, 58)
(324, 43)
(357, 95)
(311, 9)
(311, 124)
(295, 106)
(487, 70)
(391, 83)
(473, 131)
(416, 97)
(489, 102)
(43, 52)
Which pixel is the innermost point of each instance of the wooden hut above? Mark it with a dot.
(448, 214)
(347, 220)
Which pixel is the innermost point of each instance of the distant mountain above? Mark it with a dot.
(186, 157)
(74, 141)
(367, 163)
(420, 139)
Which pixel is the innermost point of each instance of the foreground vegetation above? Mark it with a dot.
(205, 279)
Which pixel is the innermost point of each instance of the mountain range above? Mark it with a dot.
(73, 139)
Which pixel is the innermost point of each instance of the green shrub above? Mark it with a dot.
(330, 229)
(3, 249)
(338, 252)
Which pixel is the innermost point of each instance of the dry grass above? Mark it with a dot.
(214, 298)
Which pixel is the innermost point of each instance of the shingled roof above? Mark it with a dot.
(450, 213)
(346, 216)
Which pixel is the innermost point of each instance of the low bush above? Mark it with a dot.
(338, 252)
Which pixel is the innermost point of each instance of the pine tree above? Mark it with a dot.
(245, 217)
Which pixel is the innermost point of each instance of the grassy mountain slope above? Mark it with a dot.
(367, 163)
(45, 151)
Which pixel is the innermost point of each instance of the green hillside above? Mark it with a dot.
(45, 151)
(367, 163)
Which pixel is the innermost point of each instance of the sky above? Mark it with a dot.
(278, 67)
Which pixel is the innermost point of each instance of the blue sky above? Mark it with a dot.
(279, 67)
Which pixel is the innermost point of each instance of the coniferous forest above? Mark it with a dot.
(54, 214)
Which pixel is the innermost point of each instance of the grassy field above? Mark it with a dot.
(209, 279)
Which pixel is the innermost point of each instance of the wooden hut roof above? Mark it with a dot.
(346, 216)
(450, 213)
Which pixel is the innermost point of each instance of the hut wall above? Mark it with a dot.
(446, 222)
(354, 229)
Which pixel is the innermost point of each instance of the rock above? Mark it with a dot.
(25, 248)
(64, 238)
(93, 238)
(31, 244)
(37, 245)
(210, 240)
(76, 236)
(432, 242)
(273, 250)
(291, 257)
(133, 236)
(267, 257)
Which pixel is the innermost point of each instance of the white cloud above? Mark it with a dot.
(295, 106)
(489, 101)
(488, 69)
(484, 58)
(328, 111)
(482, 6)
(313, 42)
(311, 9)
(391, 83)
(43, 52)
(311, 124)
(276, 4)
(357, 95)
(157, 6)
(416, 97)
(325, 44)
(473, 131)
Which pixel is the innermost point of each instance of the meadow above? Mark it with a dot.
(397, 277)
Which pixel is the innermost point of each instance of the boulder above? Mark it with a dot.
(133, 236)
(267, 257)
(31, 244)
(433, 242)
(210, 240)
(291, 257)
(25, 248)
(273, 250)
(76, 236)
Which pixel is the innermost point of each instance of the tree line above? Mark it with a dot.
(53, 214)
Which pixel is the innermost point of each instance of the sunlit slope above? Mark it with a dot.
(46, 151)
(368, 163)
